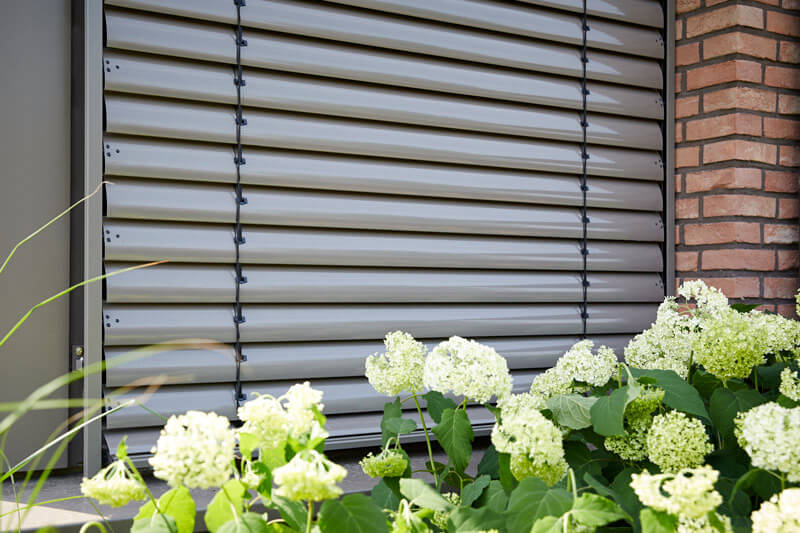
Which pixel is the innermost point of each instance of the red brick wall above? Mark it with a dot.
(737, 154)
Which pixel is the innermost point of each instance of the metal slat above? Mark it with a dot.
(176, 79)
(286, 361)
(283, 15)
(146, 324)
(159, 118)
(530, 22)
(185, 202)
(166, 36)
(174, 283)
(202, 243)
(645, 12)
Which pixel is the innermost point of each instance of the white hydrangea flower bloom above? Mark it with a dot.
(688, 492)
(676, 441)
(731, 344)
(778, 333)
(667, 345)
(780, 514)
(580, 364)
(465, 367)
(114, 485)
(300, 402)
(309, 476)
(400, 368)
(265, 417)
(790, 384)
(703, 524)
(770, 434)
(552, 382)
(195, 450)
(301, 397)
(710, 300)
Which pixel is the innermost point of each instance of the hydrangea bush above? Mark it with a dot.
(696, 430)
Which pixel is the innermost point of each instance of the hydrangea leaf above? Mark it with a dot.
(175, 503)
(705, 383)
(246, 523)
(532, 500)
(764, 484)
(506, 477)
(572, 410)
(725, 405)
(247, 444)
(391, 410)
(581, 459)
(678, 394)
(454, 433)
(399, 426)
(595, 511)
(474, 490)
(423, 495)
(494, 497)
(548, 524)
(769, 376)
(294, 513)
(154, 524)
(743, 308)
(384, 497)
(220, 510)
(468, 519)
(607, 412)
(436, 404)
(489, 464)
(354, 513)
(626, 497)
(599, 487)
(657, 522)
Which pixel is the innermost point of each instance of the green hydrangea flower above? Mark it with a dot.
(770, 434)
(114, 485)
(388, 463)
(688, 492)
(551, 472)
(632, 446)
(676, 441)
(732, 344)
(439, 518)
(400, 367)
(790, 384)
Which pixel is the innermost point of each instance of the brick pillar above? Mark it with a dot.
(737, 154)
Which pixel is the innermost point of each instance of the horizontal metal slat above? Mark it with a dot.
(176, 79)
(159, 35)
(285, 361)
(161, 118)
(201, 243)
(186, 202)
(645, 12)
(150, 158)
(176, 283)
(517, 20)
(370, 28)
(162, 76)
(129, 324)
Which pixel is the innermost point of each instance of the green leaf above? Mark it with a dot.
(595, 511)
(506, 477)
(220, 510)
(468, 519)
(731, 461)
(494, 497)
(608, 411)
(678, 394)
(743, 308)
(399, 426)
(705, 383)
(423, 495)
(247, 523)
(599, 487)
(548, 524)
(532, 500)
(489, 465)
(725, 405)
(769, 376)
(247, 444)
(572, 410)
(473, 491)
(764, 484)
(658, 522)
(437, 404)
(580, 459)
(391, 410)
(354, 513)
(175, 503)
(454, 433)
(274, 457)
(785, 401)
(384, 497)
(154, 524)
(737, 506)
(294, 513)
(626, 497)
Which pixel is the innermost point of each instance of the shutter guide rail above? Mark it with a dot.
(239, 160)
(584, 176)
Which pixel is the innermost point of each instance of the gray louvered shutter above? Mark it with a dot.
(410, 165)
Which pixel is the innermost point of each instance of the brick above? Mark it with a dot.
(734, 70)
(724, 17)
(687, 208)
(777, 181)
(781, 233)
(677, 235)
(789, 104)
(678, 133)
(781, 128)
(739, 98)
(736, 287)
(721, 233)
(780, 287)
(687, 156)
(766, 307)
(789, 52)
(741, 150)
(775, 3)
(739, 43)
(686, 261)
(783, 77)
(783, 23)
(789, 156)
(730, 124)
(678, 78)
(787, 310)
(686, 54)
(678, 182)
(723, 205)
(791, 4)
(678, 29)
(756, 260)
(686, 107)
(724, 178)
(788, 208)
(788, 259)
(682, 6)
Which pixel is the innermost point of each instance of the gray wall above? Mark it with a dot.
(34, 186)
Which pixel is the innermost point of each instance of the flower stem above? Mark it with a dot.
(89, 525)
(427, 439)
(310, 516)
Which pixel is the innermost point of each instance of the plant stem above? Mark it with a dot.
(572, 483)
(427, 438)
(88, 525)
(310, 516)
